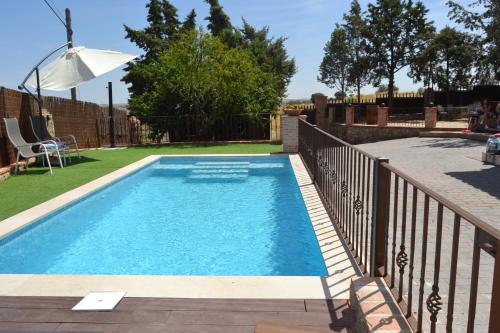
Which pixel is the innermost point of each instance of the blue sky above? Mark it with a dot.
(28, 30)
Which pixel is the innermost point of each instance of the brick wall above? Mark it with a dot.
(88, 122)
(290, 133)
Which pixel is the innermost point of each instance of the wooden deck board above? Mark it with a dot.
(53, 314)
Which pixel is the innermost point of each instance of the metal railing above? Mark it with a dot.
(189, 128)
(431, 252)
(406, 117)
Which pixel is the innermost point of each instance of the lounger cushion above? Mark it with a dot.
(52, 147)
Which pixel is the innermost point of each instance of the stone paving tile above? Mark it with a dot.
(451, 168)
(340, 264)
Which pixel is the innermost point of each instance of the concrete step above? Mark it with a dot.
(375, 307)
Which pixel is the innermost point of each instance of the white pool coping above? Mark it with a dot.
(339, 262)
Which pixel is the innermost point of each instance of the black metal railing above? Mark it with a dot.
(190, 128)
(431, 252)
(406, 117)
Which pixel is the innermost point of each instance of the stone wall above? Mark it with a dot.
(88, 122)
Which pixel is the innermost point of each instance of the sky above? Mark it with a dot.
(29, 30)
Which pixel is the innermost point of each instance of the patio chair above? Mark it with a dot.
(39, 127)
(25, 149)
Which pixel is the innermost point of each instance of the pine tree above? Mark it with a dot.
(162, 29)
(336, 64)
(355, 27)
(270, 54)
(483, 18)
(190, 21)
(397, 30)
(218, 21)
(446, 61)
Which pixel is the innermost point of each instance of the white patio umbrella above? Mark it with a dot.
(76, 66)
(72, 68)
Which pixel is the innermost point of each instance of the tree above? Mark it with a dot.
(483, 18)
(163, 25)
(199, 74)
(383, 89)
(270, 54)
(397, 30)
(446, 61)
(190, 21)
(219, 24)
(218, 20)
(340, 95)
(355, 27)
(335, 67)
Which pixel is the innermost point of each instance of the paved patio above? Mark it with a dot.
(451, 167)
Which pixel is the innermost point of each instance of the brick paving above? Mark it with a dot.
(451, 167)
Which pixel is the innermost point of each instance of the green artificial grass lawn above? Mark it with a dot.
(37, 185)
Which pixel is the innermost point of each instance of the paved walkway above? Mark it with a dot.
(451, 167)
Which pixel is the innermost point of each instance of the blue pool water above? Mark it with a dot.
(178, 216)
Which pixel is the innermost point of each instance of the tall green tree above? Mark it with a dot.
(447, 60)
(218, 21)
(201, 75)
(190, 21)
(397, 31)
(355, 27)
(335, 67)
(163, 26)
(383, 89)
(483, 18)
(219, 24)
(269, 53)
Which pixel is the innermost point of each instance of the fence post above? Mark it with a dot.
(331, 116)
(349, 115)
(382, 116)
(430, 117)
(314, 151)
(380, 215)
(495, 294)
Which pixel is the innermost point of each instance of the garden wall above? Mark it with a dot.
(88, 122)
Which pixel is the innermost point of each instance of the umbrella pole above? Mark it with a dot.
(111, 116)
(39, 94)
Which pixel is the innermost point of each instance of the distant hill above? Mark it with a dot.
(122, 106)
(296, 101)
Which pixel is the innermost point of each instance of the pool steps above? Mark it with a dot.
(218, 170)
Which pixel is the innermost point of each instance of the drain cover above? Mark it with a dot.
(100, 301)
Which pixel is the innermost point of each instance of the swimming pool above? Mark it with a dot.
(211, 216)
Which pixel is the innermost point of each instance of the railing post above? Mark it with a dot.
(430, 117)
(349, 115)
(495, 294)
(380, 215)
(382, 116)
(315, 150)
